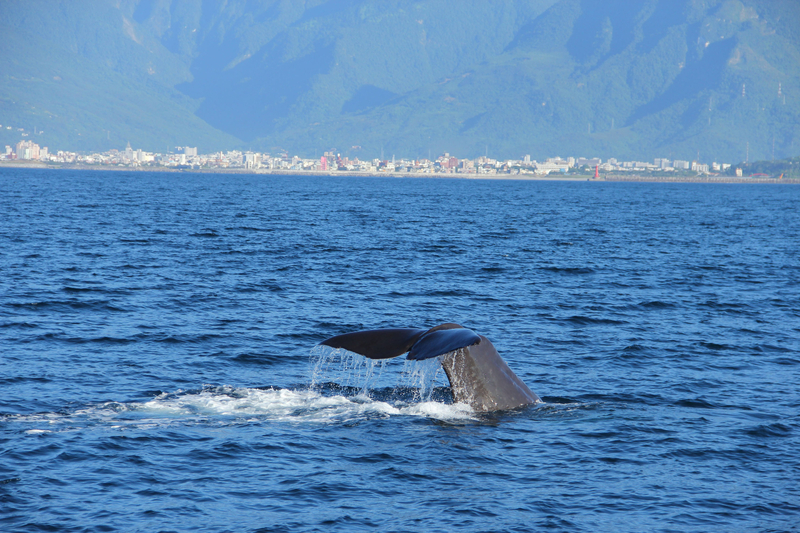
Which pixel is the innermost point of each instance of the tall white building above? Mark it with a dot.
(252, 160)
(27, 150)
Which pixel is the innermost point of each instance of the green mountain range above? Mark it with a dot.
(631, 79)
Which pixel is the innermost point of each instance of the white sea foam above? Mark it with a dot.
(224, 405)
(345, 387)
(290, 405)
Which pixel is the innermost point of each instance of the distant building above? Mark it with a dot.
(27, 150)
(552, 165)
(681, 165)
(593, 162)
(252, 160)
(190, 151)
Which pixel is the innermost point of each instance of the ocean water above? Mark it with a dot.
(158, 369)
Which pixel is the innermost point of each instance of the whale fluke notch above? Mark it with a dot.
(478, 375)
(441, 340)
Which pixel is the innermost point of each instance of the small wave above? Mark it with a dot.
(569, 270)
(64, 305)
(434, 293)
(585, 320)
(549, 408)
(656, 304)
(770, 430)
(83, 289)
(707, 267)
(696, 403)
(248, 228)
(24, 379)
(259, 287)
(452, 292)
(622, 399)
(181, 339)
(205, 233)
(726, 306)
(635, 348)
(21, 325)
(714, 346)
(60, 337)
(101, 340)
(258, 359)
(771, 348)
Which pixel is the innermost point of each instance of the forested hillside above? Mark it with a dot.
(612, 78)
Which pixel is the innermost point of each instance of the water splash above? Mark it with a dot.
(345, 368)
(351, 370)
(422, 376)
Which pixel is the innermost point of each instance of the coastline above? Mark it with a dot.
(337, 173)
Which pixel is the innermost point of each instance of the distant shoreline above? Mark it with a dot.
(438, 175)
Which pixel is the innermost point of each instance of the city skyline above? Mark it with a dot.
(332, 161)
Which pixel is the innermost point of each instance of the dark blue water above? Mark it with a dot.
(156, 369)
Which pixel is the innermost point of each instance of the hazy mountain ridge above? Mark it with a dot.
(654, 78)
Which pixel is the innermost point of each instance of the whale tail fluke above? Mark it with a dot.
(418, 343)
(478, 375)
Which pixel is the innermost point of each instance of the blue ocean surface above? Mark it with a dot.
(158, 369)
